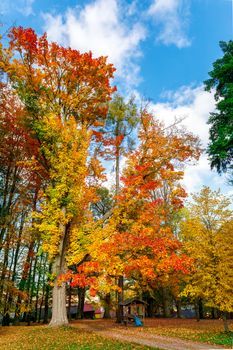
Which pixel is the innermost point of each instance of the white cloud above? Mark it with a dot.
(101, 27)
(197, 176)
(191, 103)
(22, 6)
(25, 7)
(172, 18)
(194, 105)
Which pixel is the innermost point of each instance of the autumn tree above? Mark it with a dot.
(120, 125)
(104, 203)
(122, 118)
(140, 240)
(207, 236)
(65, 94)
(19, 187)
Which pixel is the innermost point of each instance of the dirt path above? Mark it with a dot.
(156, 341)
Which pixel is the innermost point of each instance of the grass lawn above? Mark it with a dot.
(209, 331)
(74, 338)
(66, 338)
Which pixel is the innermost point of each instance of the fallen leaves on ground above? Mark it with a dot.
(69, 338)
(207, 331)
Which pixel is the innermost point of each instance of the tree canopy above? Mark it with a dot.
(207, 236)
(62, 233)
(220, 148)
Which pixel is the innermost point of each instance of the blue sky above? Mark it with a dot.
(162, 49)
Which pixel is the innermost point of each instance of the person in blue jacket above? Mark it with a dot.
(137, 321)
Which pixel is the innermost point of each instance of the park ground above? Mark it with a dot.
(167, 334)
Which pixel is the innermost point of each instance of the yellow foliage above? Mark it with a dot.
(208, 239)
(68, 188)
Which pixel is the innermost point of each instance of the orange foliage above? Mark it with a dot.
(151, 195)
(57, 79)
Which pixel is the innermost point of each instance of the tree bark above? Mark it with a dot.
(120, 298)
(200, 305)
(150, 306)
(38, 288)
(46, 301)
(225, 322)
(59, 312)
(107, 304)
(5, 212)
(81, 300)
(178, 307)
(166, 303)
(120, 295)
(69, 303)
(18, 244)
(197, 311)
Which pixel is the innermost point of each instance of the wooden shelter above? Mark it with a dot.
(133, 307)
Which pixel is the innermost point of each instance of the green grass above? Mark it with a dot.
(225, 339)
(66, 338)
(218, 338)
(206, 331)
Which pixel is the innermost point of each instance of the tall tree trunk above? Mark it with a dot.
(225, 321)
(107, 304)
(25, 280)
(46, 300)
(150, 306)
(117, 165)
(8, 195)
(9, 296)
(44, 284)
(197, 311)
(59, 313)
(120, 298)
(200, 305)
(38, 288)
(166, 302)
(5, 263)
(120, 294)
(81, 301)
(18, 244)
(4, 289)
(24, 284)
(178, 307)
(69, 302)
(31, 284)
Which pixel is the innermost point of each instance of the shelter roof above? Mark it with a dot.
(132, 301)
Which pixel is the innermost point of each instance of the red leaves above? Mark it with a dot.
(63, 75)
(154, 203)
(97, 135)
(150, 185)
(82, 281)
(84, 277)
(150, 198)
(18, 148)
(88, 267)
(23, 39)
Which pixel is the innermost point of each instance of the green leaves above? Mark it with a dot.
(220, 148)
